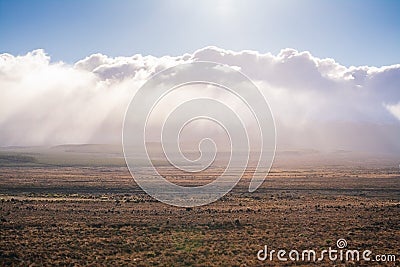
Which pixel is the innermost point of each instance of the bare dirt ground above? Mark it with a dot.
(74, 216)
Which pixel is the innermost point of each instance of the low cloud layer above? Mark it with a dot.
(317, 103)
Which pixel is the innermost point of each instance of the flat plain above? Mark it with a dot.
(54, 211)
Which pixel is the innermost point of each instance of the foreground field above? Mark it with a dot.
(72, 216)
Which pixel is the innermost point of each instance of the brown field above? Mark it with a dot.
(96, 215)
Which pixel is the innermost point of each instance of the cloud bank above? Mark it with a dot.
(317, 103)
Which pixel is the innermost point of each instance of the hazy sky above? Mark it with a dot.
(352, 32)
(68, 69)
(317, 103)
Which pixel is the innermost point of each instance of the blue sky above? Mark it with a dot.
(352, 32)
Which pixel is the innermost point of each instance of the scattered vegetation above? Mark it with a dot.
(96, 215)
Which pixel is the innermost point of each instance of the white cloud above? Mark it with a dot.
(394, 109)
(316, 102)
